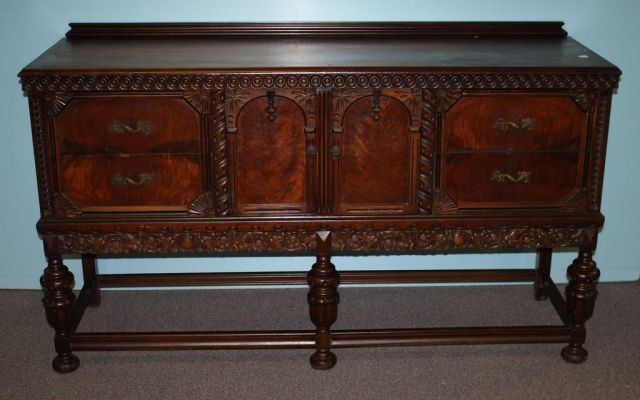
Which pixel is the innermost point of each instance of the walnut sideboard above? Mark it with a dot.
(318, 138)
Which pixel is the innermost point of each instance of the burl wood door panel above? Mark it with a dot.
(272, 172)
(514, 122)
(100, 183)
(511, 180)
(375, 155)
(128, 124)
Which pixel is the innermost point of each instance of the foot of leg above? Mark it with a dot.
(65, 363)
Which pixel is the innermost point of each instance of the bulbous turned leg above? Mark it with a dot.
(543, 270)
(581, 295)
(57, 282)
(323, 301)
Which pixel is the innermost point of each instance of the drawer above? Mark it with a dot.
(510, 180)
(133, 183)
(507, 121)
(128, 124)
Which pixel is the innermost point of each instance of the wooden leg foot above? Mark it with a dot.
(323, 360)
(574, 355)
(65, 363)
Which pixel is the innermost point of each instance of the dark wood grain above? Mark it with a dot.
(318, 139)
(378, 157)
(482, 122)
(173, 181)
(127, 124)
(467, 179)
(269, 158)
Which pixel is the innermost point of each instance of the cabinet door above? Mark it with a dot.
(374, 147)
(272, 141)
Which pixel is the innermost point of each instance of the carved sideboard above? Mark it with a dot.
(318, 138)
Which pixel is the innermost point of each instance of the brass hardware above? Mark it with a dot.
(335, 150)
(119, 126)
(143, 179)
(521, 177)
(525, 124)
(271, 105)
(311, 150)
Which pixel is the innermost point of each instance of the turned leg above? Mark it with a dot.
(90, 276)
(581, 296)
(543, 270)
(323, 300)
(57, 282)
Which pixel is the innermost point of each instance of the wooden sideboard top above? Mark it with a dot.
(326, 47)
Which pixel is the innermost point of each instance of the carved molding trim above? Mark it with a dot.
(445, 202)
(201, 205)
(412, 99)
(585, 99)
(65, 206)
(343, 98)
(199, 100)
(575, 200)
(385, 240)
(597, 163)
(159, 82)
(234, 99)
(447, 98)
(38, 128)
(57, 102)
(427, 153)
(306, 99)
(220, 158)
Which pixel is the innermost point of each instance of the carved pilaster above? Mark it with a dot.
(220, 158)
(427, 153)
(57, 282)
(581, 296)
(323, 300)
(598, 148)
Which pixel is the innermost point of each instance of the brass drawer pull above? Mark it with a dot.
(143, 179)
(525, 124)
(521, 177)
(119, 126)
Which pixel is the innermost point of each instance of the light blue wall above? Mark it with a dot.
(28, 27)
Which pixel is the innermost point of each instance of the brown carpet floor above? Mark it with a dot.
(445, 372)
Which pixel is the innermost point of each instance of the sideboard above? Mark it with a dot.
(318, 138)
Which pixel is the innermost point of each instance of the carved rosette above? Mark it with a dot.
(144, 241)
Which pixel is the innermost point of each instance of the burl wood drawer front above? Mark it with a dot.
(128, 124)
(135, 183)
(508, 121)
(510, 180)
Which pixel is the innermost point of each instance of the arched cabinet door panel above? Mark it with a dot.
(374, 148)
(272, 141)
